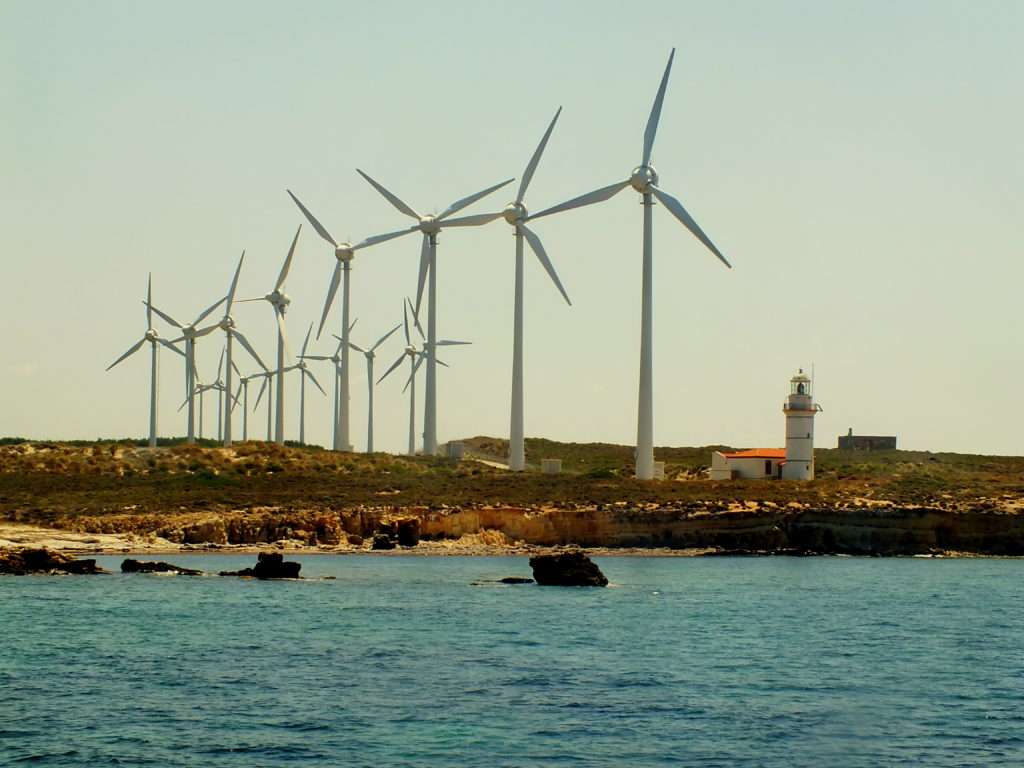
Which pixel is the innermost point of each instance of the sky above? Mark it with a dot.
(860, 164)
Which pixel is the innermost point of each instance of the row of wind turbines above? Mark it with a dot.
(643, 179)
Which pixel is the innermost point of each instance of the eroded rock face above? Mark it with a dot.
(20, 562)
(408, 531)
(567, 569)
(269, 565)
(152, 566)
(382, 541)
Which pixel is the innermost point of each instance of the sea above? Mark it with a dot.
(424, 661)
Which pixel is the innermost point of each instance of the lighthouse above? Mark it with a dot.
(800, 409)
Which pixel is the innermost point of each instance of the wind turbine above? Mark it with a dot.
(516, 215)
(189, 334)
(339, 362)
(344, 253)
(304, 368)
(430, 226)
(279, 300)
(154, 339)
(227, 324)
(415, 356)
(267, 385)
(370, 354)
(644, 179)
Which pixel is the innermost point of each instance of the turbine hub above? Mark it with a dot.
(514, 213)
(344, 252)
(189, 331)
(151, 335)
(642, 178)
(430, 225)
(278, 299)
(227, 323)
(410, 350)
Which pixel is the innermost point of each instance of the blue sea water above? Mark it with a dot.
(401, 661)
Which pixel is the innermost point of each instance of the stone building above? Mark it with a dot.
(852, 442)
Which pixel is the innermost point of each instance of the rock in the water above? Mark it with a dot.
(269, 565)
(516, 580)
(42, 560)
(382, 541)
(153, 566)
(567, 569)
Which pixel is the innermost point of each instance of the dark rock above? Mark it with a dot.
(41, 560)
(409, 532)
(149, 566)
(269, 565)
(382, 541)
(567, 569)
(354, 539)
(516, 580)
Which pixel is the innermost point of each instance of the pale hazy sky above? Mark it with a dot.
(860, 164)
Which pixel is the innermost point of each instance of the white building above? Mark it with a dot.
(795, 461)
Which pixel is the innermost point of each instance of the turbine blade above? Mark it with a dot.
(220, 365)
(165, 317)
(132, 350)
(405, 321)
(390, 197)
(307, 372)
(424, 265)
(442, 362)
(210, 309)
(677, 210)
(305, 344)
(149, 303)
(263, 387)
(451, 343)
(655, 116)
(312, 220)
(356, 347)
(472, 221)
(542, 256)
(394, 365)
(385, 337)
(331, 290)
(234, 284)
(532, 166)
(461, 203)
(287, 262)
(416, 320)
(384, 238)
(206, 330)
(415, 367)
(170, 346)
(283, 331)
(597, 196)
(248, 348)
(314, 357)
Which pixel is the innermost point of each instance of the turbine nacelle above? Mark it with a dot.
(152, 335)
(344, 253)
(227, 323)
(515, 213)
(429, 225)
(642, 178)
(279, 299)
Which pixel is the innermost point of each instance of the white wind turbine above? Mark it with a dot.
(344, 253)
(430, 226)
(415, 356)
(189, 334)
(306, 373)
(370, 354)
(154, 339)
(515, 213)
(644, 180)
(279, 300)
(227, 324)
(266, 386)
(338, 361)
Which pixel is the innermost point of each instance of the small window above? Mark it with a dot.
(768, 467)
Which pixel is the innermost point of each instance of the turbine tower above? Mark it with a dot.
(430, 226)
(370, 354)
(279, 300)
(154, 340)
(189, 334)
(644, 180)
(344, 253)
(304, 368)
(266, 386)
(227, 324)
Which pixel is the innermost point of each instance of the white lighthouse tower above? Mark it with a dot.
(800, 409)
